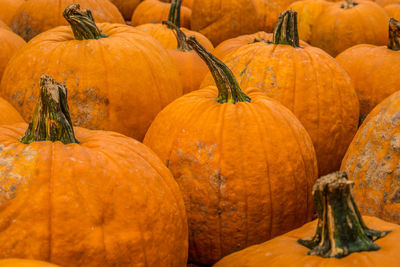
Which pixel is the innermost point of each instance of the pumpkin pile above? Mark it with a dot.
(188, 133)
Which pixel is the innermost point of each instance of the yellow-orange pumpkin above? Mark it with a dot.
(119, 82)
(105, 201)
(25, 263)
(245, 166)
(36, 16)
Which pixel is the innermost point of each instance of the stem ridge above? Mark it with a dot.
(394, 34)
(174, 15)
(180, 36)
(285, 31)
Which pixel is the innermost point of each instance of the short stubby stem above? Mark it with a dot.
(285, 32)
(348, 4)
(394, 35)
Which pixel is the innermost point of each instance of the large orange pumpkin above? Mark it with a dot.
(9, 45)
(8, 8)
(371, 69)
(343, 238)
(126, 7)
(336, 26)
(372, 161)
(36, 16)
(245, 166)
(24, 263)
(97, 199)
(119, 79)
(307, 81)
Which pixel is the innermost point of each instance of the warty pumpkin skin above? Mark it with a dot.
(117, 83)
(36, 16)
(126, 7)
(372, 161)
(155, 11)
(238, 163)
(25, 263)
(285, 251)
(307, 81)
(9, 45)
(8, 8)
(371, 69)
(107, 201)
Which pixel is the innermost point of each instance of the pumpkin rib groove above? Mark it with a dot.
(105, 75)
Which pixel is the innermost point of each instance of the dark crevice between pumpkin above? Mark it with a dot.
(180, 36)
(348, 4)
(285, 31)
(341, 229)
(228, 87)
(175, 13)
(82, 23)
(51, 120)
(394, 34)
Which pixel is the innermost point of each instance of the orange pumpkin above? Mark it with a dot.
(36, 16)
(372, 161)
(307, 81)
(191, 67)
(393, 10)
(105, 200)
(334, 27)
(9, 45)
(119, 79)
(188, 3)
(371, 69)
(340, 231)
(8, 8)
(384, 3)
(237, 160)
(126, 7)
(155, 11)
(8, 114)
(24, 263)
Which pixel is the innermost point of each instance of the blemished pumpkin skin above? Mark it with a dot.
(372, 161)
(237, 162)
(9, 45)
(36, 16)
(307, 81)
(25, 263)
(105, 201)
(155, 11)
(337, 28)
(285, 251)
(371, 70)
(126, 7)
(117, 83)
(8, 8)
(393, 10)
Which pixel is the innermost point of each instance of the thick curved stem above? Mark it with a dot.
(341, 229)
(228, 87)
(285, 31)
(82, 23)
(348, 4)
(175, 12)
(50, 120)
(394, 34)
(180, 36)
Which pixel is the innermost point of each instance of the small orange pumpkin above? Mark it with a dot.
(343, 238)
(25, 263)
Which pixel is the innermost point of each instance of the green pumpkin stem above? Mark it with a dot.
(180, 36)
(228, 87)
(285, 32)
(175, 13)
(348, 4)
(394, 34)
(82, 23)
(341, 229)
(50, 120)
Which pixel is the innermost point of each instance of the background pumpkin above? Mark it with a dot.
(118, 83)
(9, 45)
(307, 81)
(8, 114)
(36, 16)
(393, 10)
(236, 162)
(24, 263)
(8, 8)
(109, 195)
(126, 7)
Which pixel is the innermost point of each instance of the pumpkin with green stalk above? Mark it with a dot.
(101, 191)
(109, 69)
(306, 80)
(238, 158)
(165, 34)
(342, 237)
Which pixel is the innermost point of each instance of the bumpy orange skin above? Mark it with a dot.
(24, 263)
(9, 45)
(284, 251)
(126, 7)
(118, 83)
(8, 8)
(36, 16)
(372, 161)
(167, 37)
(371, 71)
(311, 84)
(245, 169)
(108, 201)
(155, 11)
(337, 29)
(393, 10)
